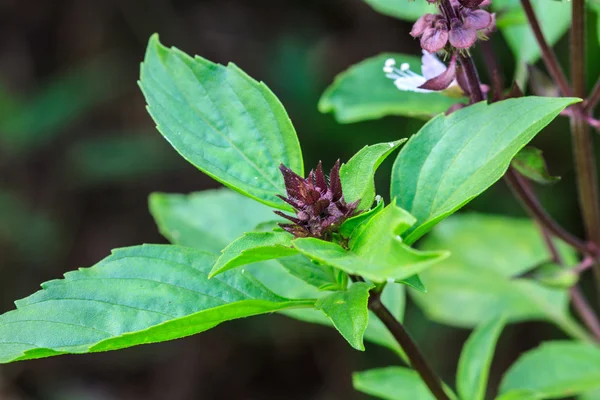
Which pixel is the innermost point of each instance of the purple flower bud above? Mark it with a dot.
(320, 206)
(443, 80)
(426, 21)
(434, 39)
(470, 3)
(476, 19)
(461, 36)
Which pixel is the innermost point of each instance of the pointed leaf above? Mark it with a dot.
(138, 295)
(406, 10)
(392, 383)
(476, 359)
(377, 252)
(363, 92)
(253, 247)
(488, 253)
(225, 123)
(531, 164)
(358, 175)
(206, 220)
(453, 159)
(349, 312)
(555, 370)
(323, 277)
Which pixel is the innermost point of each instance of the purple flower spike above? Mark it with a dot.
(461, 36)
(434, 39)
(320, 206)
(443, 80)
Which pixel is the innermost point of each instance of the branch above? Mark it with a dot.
(548, 55)
(585, 312)
(413, 353)
(593, 98)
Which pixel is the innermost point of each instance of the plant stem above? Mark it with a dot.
(413, 353)
(472, 78)
(524, 192)
(585, 163)
(548, 55)
(593, 98)
(585, 312)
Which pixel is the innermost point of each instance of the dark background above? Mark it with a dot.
(79, 156)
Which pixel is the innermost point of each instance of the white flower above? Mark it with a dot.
(407, 80)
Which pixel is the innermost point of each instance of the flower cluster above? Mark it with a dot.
(459, 24)
(320, 206)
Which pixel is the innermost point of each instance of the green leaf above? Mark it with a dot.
(478, 278)
(476, 359)
(253, 247)
(555, 370)
(403, 9)
(363, 92)
(206, 220)
(228, 125)
(531, 164)
(138, 295)
(454, 158)
(519, 395)
(554, 18)
(323, 277)
(349, 312)
(209, 220)
(351, 224)
(377, 252)
(415, 283)
(358, 175)
(392, 383)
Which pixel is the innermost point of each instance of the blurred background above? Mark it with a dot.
(79, 156)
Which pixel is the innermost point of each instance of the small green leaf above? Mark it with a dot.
(415, 283)
(403, 9)
(253, 247)
(454, 158)
(351, 224)
(363, 92)
(478, 279)
(358, 174)
(138, 295)
(555, 276)
(349, 312)
(323, 277)
(476, 359)
(377, 252)
(519, 395)
(531, 164)
(228, 125)
(206, 220)
(555, 370)
(392, 383)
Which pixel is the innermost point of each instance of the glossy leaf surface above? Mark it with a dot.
(391, 383)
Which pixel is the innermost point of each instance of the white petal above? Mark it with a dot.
(432, 66)
(411, 84)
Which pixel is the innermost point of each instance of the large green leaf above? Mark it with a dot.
(555, 370)
(138, 295)
(363, 92)
(209, 220)
(479, 278)
(377, 252)
(228, 125)
(349, 312)
(253, 247)
(454, 158)
(476, 359)
(406, 10)
(358, 174)
(323, 277)
(392, 383)
(554, 18)
(206, 220)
